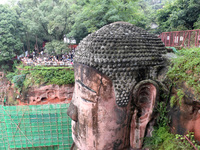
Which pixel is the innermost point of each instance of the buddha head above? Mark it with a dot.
(116, 87)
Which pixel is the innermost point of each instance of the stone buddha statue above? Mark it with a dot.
(116, 88)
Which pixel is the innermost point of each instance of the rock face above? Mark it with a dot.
(48, 94)
(4, 88)
(44, 94)
(186, 116)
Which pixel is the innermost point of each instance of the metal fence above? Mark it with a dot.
(35, 127)
(188, 38)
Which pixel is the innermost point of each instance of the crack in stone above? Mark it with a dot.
(101, 83)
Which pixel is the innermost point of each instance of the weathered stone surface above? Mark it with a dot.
(7, 92)
(99, 123)
(119, 50)
(145, 96)
(186, 116)
(49, 94)
(116, 76)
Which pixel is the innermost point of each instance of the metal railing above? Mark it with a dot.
(188, 38)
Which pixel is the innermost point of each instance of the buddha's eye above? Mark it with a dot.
(84, 87)
(86, 100)
(86, 94)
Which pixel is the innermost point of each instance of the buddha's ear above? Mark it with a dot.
(145, 95)
(146, 91)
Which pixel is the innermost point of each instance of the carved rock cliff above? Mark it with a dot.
(35, 95)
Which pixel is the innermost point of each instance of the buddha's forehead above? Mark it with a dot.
(119, 50)
(84, 72)
(88, 76)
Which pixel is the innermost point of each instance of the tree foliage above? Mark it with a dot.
(45, 20)
(49, 17)
(91, 15)
(56, 47)
(179, 15)
(10, 31)
(51, 20)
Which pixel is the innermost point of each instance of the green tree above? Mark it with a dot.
(50, 20)
(91, 15)
(179, 15)
(10, 32)
(56, 47)
(45, 20)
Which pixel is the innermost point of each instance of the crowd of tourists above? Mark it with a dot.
(44, 60)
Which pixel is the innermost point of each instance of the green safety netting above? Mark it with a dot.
(35, 127)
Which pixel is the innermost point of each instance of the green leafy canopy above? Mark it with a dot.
(179, 15)
(10, 29)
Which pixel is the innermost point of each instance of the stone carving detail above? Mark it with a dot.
(47, 94)
(117, 73)
(118, 50)
(145, 95)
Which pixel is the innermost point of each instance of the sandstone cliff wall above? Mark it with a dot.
(47, 94)
(186, 112)
(43, 94)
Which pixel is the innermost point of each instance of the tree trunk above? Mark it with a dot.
(28, 43)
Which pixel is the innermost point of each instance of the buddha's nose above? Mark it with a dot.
(72, 112)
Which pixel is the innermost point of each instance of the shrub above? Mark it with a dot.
(29, 76)
(186, 68)
(162, 139)
(18, 80)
